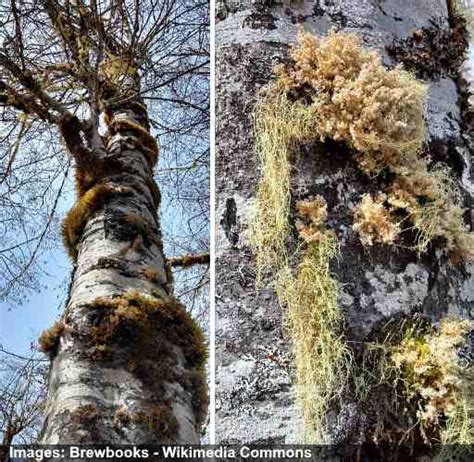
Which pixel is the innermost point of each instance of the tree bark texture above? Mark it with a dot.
(256, 396)
(118, 388)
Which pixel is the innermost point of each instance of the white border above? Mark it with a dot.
(212, 288)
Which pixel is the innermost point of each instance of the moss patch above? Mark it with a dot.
(77, 218)
(86, 416)
(49, 339)
(160, 420)
(144, 142)
(147, 328)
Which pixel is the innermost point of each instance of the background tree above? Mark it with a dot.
(376, 285)
(89, 87)
(22, 392)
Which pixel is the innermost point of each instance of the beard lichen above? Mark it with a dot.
(323, 360)
(279, 125)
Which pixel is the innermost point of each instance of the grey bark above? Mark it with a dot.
(110, 261)
(255, 392)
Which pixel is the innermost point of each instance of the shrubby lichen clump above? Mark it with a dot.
(413, 384)
(430, 369)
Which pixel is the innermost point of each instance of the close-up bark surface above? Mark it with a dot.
(255, 364)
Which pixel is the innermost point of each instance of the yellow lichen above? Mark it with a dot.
(279, 124)
(355, 98)
(430, 369)
(315, 213)
(341, 91)
(323, 360)
(374, 223)
(412, 384)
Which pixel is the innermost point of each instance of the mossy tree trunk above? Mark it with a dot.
(119, 372)
(256, 395)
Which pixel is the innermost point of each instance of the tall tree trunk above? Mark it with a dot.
(254, 376)
(126, 365)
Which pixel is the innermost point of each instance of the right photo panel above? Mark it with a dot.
(344, 244)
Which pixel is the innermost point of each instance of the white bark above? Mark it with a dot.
(110, 262)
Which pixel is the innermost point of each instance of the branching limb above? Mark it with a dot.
(185, 261)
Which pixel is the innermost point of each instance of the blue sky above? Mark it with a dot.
(21, 325)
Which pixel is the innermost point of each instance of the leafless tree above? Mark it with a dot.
(88, 87)
(22, 391)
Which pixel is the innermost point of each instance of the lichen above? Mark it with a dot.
(323, 360)
(373, 222)
(355, 99)
(429, 367)
(278, 126)
(334, 88)
(410, 383)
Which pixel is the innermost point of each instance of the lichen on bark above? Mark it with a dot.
(376, 284)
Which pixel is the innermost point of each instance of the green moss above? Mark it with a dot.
(147, 316)
(144, 142)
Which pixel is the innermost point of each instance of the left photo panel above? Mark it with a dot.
(104, 222)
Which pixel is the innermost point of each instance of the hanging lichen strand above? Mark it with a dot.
(335, 89)
(323, 360)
